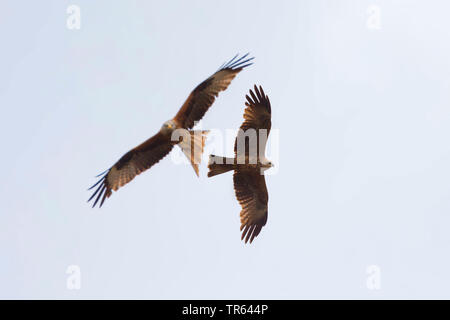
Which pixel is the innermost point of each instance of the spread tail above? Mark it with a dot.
(193, 148)
(218, 165)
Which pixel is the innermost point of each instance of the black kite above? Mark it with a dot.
(249, 164)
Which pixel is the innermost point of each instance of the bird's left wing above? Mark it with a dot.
(251, 192)
(204, 95)
(130, 165)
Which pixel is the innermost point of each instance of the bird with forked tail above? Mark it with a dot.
(157, 147)
(249, 164)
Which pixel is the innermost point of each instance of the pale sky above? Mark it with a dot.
(361, 105)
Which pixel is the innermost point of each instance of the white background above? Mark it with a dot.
(363, 168)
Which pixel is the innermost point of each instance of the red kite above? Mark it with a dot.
(249, 164)
(148, 153)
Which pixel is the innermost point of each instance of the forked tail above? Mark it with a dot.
(193, 147)
(218, 165)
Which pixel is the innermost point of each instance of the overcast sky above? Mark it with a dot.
(358, 207)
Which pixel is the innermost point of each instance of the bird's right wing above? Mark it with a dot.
(204, 95)
(251, 192)
(130, 165)
(257, 117)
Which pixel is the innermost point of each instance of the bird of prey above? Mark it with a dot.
(249, 164)
(157, 147)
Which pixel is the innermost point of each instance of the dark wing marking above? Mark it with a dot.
(204, 95)
(130, 165)
(251, 193)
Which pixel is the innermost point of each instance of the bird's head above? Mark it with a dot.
(267, 164)
(168, 126)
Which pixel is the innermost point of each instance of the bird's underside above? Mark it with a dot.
(248, 177)
(145, 155)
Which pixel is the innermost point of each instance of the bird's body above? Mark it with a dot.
(249, 164)
(176, 131)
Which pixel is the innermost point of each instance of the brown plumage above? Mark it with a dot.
(249, 164)
(157, 147)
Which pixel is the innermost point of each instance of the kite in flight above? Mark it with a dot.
(157, 147)
(249, 164)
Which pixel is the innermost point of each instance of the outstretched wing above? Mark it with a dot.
(251, 192)
(204, 95)
(130, 165)
(256, 125)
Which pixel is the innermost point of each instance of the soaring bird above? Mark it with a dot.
(157, 147)
(249, 164)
